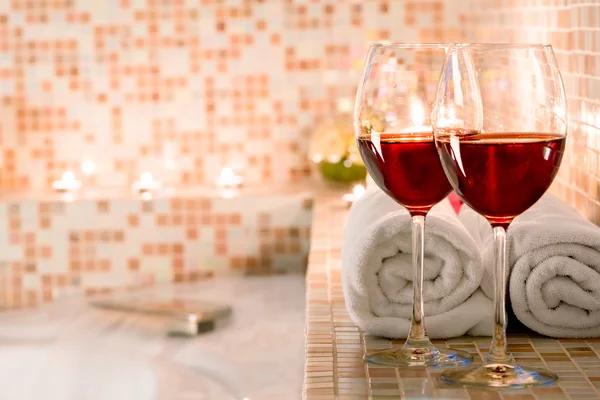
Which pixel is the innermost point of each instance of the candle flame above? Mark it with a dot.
(146, 178)
(228, 179)
(68, 176)
(145, 185)
(227, 174)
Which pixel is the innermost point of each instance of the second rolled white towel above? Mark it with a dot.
(554, 267)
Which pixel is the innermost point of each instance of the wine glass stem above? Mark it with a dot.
(417, 328)
(498, 353)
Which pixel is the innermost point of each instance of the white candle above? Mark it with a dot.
(146, 196)
(228, 179)
(67, 183)
(146, 184)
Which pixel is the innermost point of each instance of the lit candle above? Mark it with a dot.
(228, 179)
(67, 183)
(146, 185)
(356, 194)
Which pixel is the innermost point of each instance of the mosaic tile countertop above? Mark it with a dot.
(335, 346)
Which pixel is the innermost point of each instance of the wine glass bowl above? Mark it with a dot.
(392, 166)
(395, 139)
(500, 129)
(500, 175)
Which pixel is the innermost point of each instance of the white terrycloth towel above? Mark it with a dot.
(377, 271)
(554, 263)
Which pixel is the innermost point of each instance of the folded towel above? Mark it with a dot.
(377, 271)
(554, 262)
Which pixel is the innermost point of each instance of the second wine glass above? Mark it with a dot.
(500, 127)
(395, 139)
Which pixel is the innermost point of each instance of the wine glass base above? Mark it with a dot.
(499, 375)
(419, 357)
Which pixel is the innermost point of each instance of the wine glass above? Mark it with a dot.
(394, 136)
(500, 126)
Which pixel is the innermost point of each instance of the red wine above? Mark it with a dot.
(407, 167)
(500, 175)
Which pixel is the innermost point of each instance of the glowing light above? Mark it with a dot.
(145, 185)
(68, 182)
(357, 192)
(334, 158)
(317, 158)
(228, 178)
(229, 182)
(68, 176)
(345, 105)
(417, 112)
(146, 178)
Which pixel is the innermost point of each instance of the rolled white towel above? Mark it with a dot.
(554, 262)
(377, 271)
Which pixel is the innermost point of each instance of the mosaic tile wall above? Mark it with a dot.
(56, 249)
(182, 88)
(573, 28)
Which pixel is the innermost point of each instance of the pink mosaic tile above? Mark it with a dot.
(183, 88)
(54, 249)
